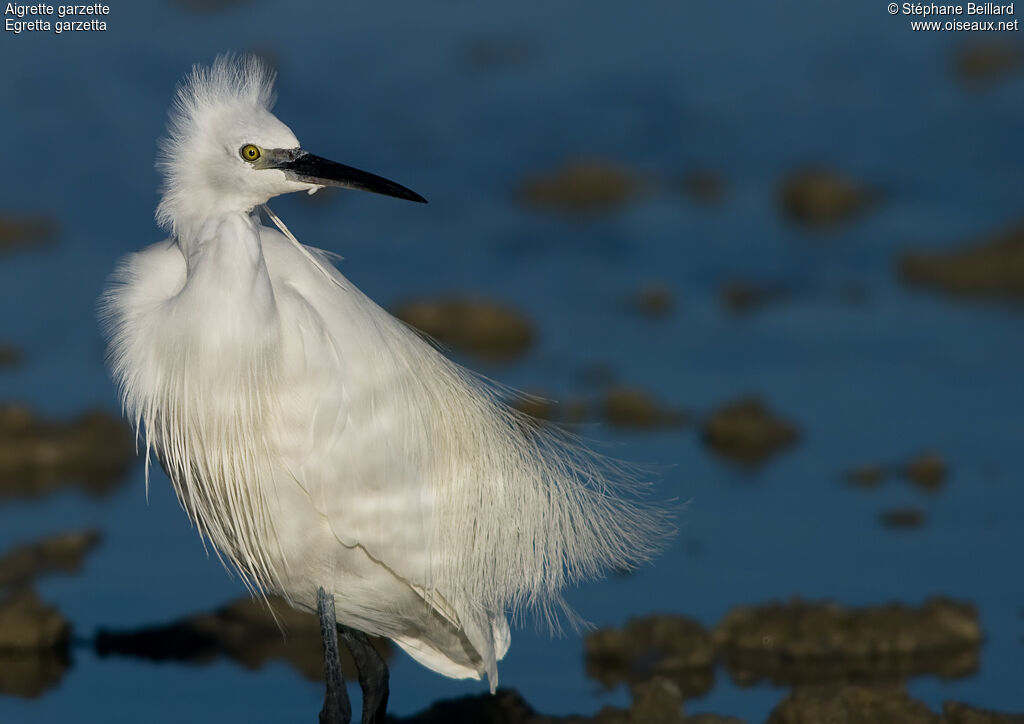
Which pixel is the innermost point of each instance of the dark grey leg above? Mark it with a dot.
(373, 674)
(337, 709)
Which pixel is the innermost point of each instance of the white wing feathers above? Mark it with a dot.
(453, 509)
(479, 511)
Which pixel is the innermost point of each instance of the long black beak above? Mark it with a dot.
(302, 166)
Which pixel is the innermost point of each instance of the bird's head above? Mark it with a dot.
(226, 152)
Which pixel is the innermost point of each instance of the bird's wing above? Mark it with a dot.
(419, 464)
(368, 449)
(356, 440)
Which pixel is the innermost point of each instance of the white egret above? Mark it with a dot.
(328, 452)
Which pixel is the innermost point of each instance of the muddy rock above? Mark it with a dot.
(926, 471)
(245, 631)
(746, 431)
(653, 300)
(28, 624)
(992, 266)
(10, 357)
(865, 476)
(740, 296)
(38, 456)
(18, 232)
(848, 704)
(30, 674)
(582, 186)
(817, 643)
(34, 641)
(673, 647)
(704, 186)
(633, 407)
(819, 197)
(985, 61)
(902, 518)
(656, 701)
(63, 552)
(485, 329)
(957, 713)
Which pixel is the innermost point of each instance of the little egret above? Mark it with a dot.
(328, 452)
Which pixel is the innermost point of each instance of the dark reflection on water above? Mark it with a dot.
(248, 631)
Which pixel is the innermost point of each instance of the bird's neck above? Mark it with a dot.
(226, 275)
(232, 236)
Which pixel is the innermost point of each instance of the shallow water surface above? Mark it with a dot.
(464, 103)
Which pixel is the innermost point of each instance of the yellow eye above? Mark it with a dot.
(249, 152)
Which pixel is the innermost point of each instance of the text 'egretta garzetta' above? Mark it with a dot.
(330, 454)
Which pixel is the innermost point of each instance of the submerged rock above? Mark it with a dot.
(245, 630)
(821, 197)
(849, 704)
(704, 185)
(926, 471)
(653, 300)
(10, 357)
(24, 231)
(743, 296)
(984, 61)
(992, 266)
(814, 643)
(746, 431)
(902, 518)
(482, 328)
(865, 476)
(63, 552)
(38, 456)
(633, 407)
(656, 701)
(582, 186)
(673, 647)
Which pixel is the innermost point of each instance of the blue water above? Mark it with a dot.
(749, 89)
